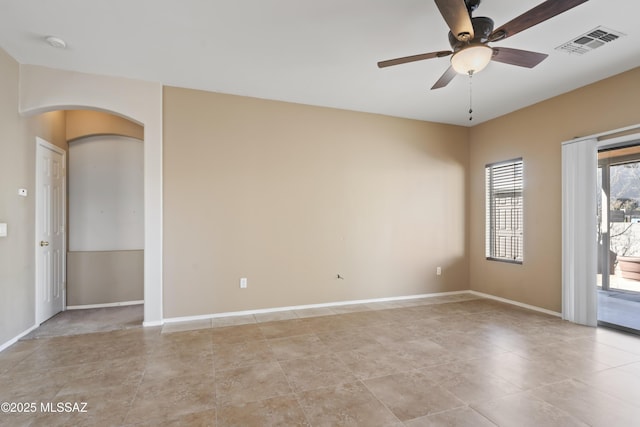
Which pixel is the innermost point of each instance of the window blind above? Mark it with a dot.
(504, 211)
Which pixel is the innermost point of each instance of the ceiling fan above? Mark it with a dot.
(470, 36)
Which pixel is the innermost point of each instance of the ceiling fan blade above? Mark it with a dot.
(538, 14)
(521, 58)
(445, 78)
(413, 58)
(457, 17)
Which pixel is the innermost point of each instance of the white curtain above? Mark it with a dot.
(579, 258)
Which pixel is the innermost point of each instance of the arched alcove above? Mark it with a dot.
(105, 195)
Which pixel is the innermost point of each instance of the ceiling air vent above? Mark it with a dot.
(590, 40)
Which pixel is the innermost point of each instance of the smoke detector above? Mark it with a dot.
(56, 42)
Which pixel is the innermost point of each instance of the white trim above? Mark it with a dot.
(15, 339)
(303, 307)
(516, 303)
(109, 304)
(151, 324)
(602, 134)
(606, 143)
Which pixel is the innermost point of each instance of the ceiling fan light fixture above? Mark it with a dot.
(471, 59)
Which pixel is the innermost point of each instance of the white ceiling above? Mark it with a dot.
(318, 52)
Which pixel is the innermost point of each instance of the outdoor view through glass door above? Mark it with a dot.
(619, 237)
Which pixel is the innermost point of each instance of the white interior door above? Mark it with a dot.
(50, 230)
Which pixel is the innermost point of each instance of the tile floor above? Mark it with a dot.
(444, 361)
(78, 322)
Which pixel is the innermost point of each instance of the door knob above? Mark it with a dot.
(44, 243)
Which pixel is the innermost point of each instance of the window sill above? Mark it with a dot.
(508, 261)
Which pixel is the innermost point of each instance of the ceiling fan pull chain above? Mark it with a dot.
(470, 95)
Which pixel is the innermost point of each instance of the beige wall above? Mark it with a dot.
(82, 123)
(289, 196)
(535, 134)
(50, 127)
(17, 170)
(101, 277)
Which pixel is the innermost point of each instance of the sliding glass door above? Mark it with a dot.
(619, 237)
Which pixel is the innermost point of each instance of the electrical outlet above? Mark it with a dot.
(243, 283)
(438, 271)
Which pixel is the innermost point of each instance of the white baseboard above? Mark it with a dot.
(15, 339)
(516, 303)
(110, 304)
(154, 323)
(303, 307)
(296, 307)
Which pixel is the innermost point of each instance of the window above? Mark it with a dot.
(504, 211)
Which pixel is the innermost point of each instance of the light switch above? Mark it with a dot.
(3, 229)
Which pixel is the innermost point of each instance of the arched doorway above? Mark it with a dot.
(45, 89)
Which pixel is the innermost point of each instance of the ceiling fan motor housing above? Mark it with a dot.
(471, 5)
(482, 28)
